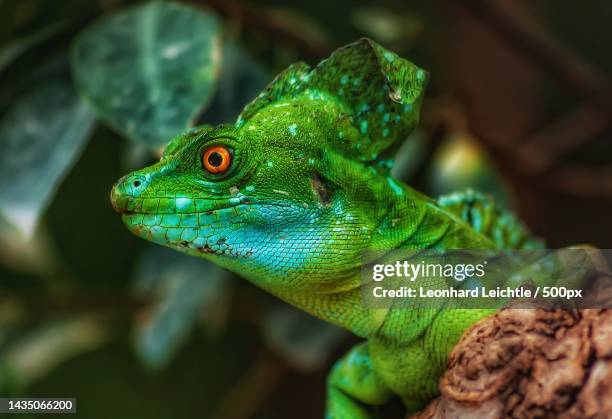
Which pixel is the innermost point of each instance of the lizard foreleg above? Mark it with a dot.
(354, 387)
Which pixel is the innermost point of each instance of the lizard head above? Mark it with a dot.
(294, 186)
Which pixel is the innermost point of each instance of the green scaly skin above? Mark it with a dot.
(307, 193)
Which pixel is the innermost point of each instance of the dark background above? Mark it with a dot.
(519, 104)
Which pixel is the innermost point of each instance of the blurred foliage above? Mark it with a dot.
(459, 162)
(134, 330)
(181, 287)
(42, 133)
(149, 70)
(387, 26)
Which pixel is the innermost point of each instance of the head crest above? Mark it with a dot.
(379, 94)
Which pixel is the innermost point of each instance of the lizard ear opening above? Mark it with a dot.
(379, 96)
(321, 189)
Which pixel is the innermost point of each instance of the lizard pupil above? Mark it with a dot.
(215, 159)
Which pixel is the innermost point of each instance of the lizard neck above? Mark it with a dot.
(408, 220)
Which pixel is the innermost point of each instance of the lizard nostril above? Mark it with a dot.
(126, 190)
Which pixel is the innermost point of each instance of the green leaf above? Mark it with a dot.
(182, 288)
(148, 71)
(41, 136)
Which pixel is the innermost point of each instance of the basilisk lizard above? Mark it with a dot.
(293, 193)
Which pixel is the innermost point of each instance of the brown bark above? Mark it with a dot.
(530, 363)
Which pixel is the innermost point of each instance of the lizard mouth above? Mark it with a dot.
(185, 235)
(127, 213)
(123, 211)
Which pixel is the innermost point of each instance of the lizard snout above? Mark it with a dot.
(125, 190)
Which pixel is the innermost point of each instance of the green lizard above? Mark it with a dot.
(292, 195)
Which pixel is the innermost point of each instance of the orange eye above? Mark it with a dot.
(216, 159)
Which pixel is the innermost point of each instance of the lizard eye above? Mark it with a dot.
(216, 159)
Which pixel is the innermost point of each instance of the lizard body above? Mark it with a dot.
(292, 195)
